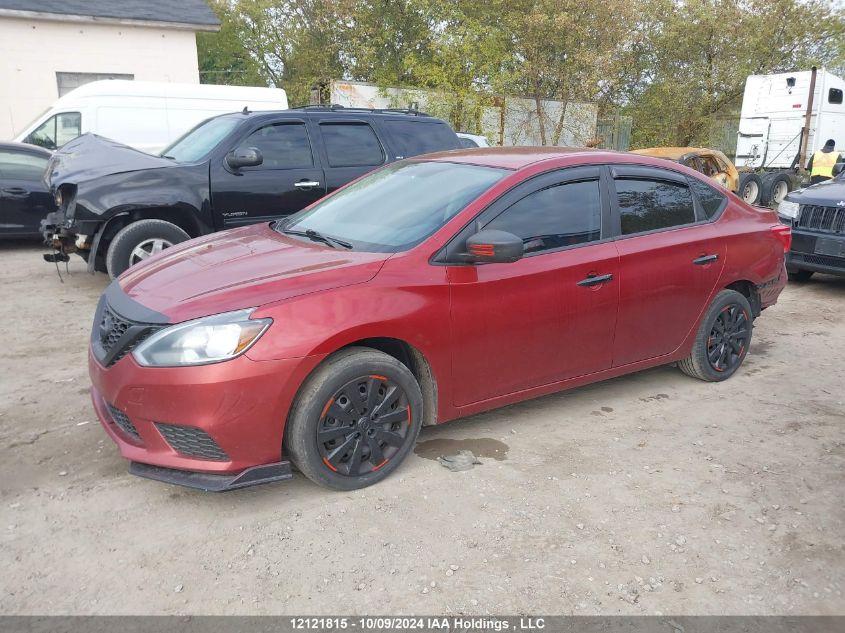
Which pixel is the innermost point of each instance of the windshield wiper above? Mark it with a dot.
(315, 236)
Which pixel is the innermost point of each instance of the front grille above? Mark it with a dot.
(824, 260)
(192, 442)
(823, 219)
(123, 422)
(111, 330)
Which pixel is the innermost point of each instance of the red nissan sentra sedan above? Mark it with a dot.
(429, 290)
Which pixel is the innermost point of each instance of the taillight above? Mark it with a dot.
(784, 234)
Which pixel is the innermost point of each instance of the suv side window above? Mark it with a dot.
(411, 138)
(22, 165)
(556, 217)
(711, 201)
(650, 205)
(351, 145)
(283, 146)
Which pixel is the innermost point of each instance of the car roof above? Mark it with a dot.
(673, 153)
(518, 157)
(327, 113)
(25, 147)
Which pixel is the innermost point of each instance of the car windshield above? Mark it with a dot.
(197, 143)
(395, 208)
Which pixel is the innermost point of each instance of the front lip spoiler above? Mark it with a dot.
(214, 482)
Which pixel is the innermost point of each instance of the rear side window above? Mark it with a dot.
(711, 201)
(650, 205)
(22, 166)
(351, 145)
(411, 138)
(560, 216)
(283, 146)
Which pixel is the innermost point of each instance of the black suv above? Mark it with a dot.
(118, 206)
(817, 217)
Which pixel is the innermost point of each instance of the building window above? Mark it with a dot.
(834, 95)
(69, 81)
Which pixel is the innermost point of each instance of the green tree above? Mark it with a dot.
(698, 54)
(223, 58)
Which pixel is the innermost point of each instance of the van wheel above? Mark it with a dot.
(750, 187)
(723, 339)
(140, 240)
(354, 420)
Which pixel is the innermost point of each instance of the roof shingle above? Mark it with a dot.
(181, 12)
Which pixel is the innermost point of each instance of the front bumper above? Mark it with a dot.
(207, 426)
(819, 252)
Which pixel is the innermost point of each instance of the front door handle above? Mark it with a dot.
(306, 184)
(595, 280)
(705, 259)
(15, 191)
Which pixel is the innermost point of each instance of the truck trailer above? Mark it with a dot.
(785, 118)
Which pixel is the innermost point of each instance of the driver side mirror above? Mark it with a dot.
(838, 168)
(494, 247)
(244, 157)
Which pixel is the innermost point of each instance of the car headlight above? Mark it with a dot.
(201, 341)
(788, 209)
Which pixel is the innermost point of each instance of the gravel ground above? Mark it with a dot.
(652, 493)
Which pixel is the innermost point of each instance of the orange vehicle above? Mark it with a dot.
(710, 162)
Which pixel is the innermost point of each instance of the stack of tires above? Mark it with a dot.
(764, 188)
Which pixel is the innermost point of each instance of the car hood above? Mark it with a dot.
(242, 268)
(830, 193)
(90, 156)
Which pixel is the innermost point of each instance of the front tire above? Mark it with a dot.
(137, 241)
(723, 339)
(354, 420)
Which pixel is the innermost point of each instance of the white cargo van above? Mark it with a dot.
(770, 137)
(145, 115)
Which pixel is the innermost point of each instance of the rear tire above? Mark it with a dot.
(775, 187)
(800, 275)
(750, 187)
(354, 420)
(138, 241)
(723, 339)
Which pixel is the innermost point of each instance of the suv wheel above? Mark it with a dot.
(137, 241)
(354, 420)
(723, 339)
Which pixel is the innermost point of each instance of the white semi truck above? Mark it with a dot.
(785, 118)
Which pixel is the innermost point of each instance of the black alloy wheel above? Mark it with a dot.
(363, 425)
(728, 338)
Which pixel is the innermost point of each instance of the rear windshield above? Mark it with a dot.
(411, 138)
(396, 207)
(198, 143)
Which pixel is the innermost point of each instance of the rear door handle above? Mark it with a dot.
(15, 191)
(306, 184)
(595, 280)
(705, 259)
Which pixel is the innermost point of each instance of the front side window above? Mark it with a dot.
(57, 130)
(283, 146)
(22, 166)
(397, 207)
(650, 205)
(560, 216)
(351, 145)
(197, 143)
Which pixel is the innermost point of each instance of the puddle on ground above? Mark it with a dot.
(480, 447)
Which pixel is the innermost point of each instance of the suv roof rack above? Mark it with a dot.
(336, 107)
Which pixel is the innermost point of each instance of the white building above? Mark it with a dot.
(49, 47)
